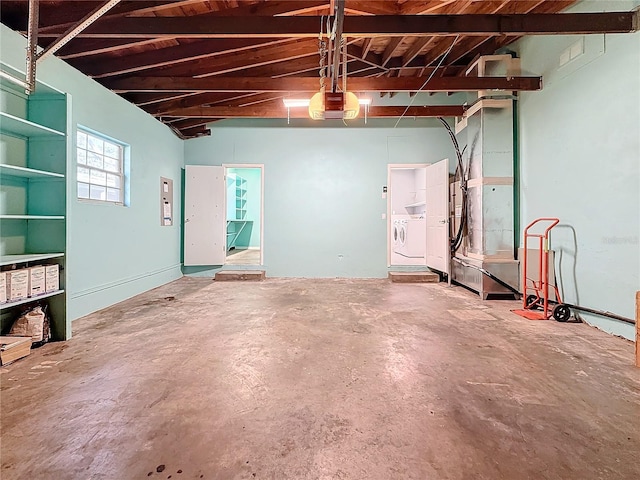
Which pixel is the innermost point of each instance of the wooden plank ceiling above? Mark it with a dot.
(225, 61)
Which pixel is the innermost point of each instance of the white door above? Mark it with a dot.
(438, 216)
(204, 223)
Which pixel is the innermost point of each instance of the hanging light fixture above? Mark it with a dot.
(316, 106)
(331, 105)
(351, 106)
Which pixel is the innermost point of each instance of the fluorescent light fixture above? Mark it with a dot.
(296, 102)
(364, 101)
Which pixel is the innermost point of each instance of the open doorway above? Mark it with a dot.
(407, 227)
(244, 214)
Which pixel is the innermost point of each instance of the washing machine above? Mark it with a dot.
(412, 236)
(395, 234)
(399, 235)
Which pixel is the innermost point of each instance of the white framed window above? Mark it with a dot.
(100, 168)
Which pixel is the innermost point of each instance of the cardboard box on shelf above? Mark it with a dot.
(3, 287)
(36, 281)
(52, 278)
(17, 284)
(13, 348)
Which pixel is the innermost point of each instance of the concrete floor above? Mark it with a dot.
(322, 379)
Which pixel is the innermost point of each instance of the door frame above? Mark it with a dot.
(226, 166)
(391, 166)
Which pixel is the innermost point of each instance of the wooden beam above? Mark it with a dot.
(484, 46)
(169, 56)
(61, 16)
(366, 46)
(205, 99)
(196, 100)
(274, 8)
(422, 8)
(391, 48)
(91, 46)
(306, 66)
(309, 84)
(441, 46)
(147, 9)
(281, 112)
(365, 26)
(369, 7)
(228, 63)
(75, 29)
(142, 99)
(414, 50)
(373, 59)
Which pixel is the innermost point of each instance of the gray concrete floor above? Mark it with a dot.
(321, 379)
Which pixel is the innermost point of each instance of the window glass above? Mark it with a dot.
(100, 168)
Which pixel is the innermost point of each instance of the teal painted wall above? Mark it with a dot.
(323, 188)
(254, 187)
(580, 154)
(113, 252)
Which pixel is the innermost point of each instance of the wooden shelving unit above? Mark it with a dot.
(33, 192)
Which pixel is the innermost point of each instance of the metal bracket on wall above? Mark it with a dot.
(32, 45)
(33, 57)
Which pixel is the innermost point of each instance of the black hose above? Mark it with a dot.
(602, 313)
(457, 240)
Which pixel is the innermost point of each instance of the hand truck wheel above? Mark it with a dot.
(533, 302)
(561, 313)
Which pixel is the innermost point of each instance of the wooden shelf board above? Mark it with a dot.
(31, 217)
(27, 257)
(15, 303)
(25, 172)
(25, 128)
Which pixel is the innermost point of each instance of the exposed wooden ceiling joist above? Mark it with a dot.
(228, 63)
(73, 30)
(281, 112)
(97, 46)
(368, 7)
(391, 48)
(170, 56)
(414, 50)
(304, 84)
(209, 98)
(147, 9)
(366, 46)
(248, 54)
(365, 26)
(143, 99)
(421, 8)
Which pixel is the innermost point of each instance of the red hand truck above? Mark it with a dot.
(540, 287)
